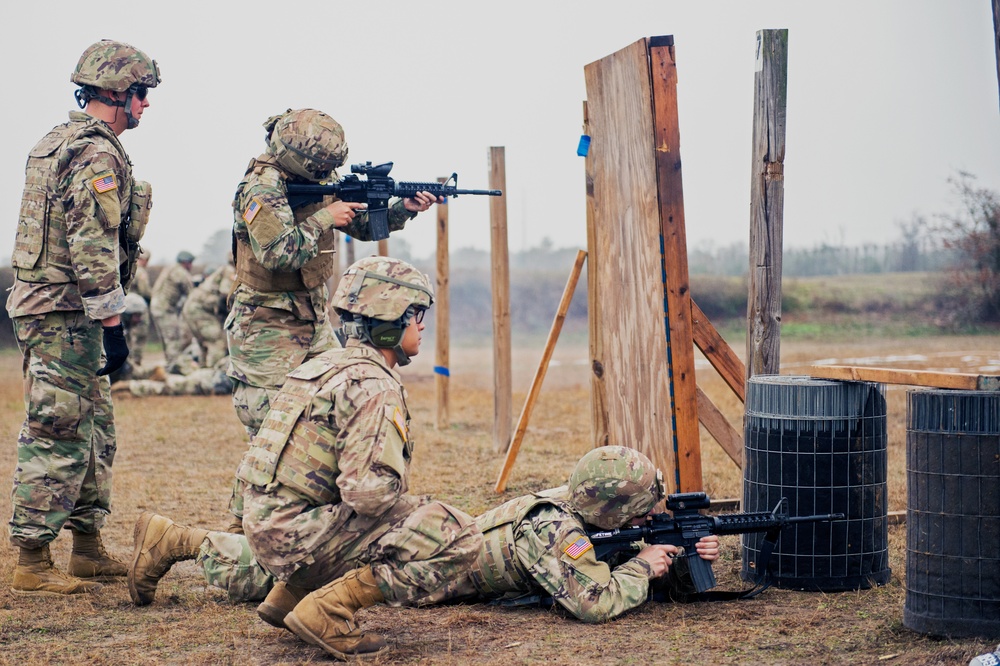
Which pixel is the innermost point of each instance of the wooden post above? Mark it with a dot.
(677, 292)
(767, 203)
(500, 262)
(383, 247)
(442, 317)
(598, 402)
(543, 366)
(627, 269)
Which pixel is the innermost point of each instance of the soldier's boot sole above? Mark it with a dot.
(345, 647)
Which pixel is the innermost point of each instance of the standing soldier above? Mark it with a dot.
(205, 311)
(171, 288)
(278, 317)
(77, 236)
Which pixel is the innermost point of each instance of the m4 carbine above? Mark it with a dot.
(375, 190)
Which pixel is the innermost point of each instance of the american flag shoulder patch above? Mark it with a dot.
(578, 547)
(251, 211)
(400, 422)
(104, 183)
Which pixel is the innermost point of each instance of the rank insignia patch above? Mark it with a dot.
(578, 547)
(104, 183)
(251, 211)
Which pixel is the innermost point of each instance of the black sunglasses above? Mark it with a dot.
(140, 92)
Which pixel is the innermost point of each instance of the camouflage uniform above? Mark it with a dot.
(78, 191)
(171, 288)
(327, 479)
(278, 316)
(205, 311)
(538, 545)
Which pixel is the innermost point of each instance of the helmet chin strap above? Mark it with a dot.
(82, 97)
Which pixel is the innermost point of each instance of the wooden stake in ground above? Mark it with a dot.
(543, 366)
(442, 316)
(383, 247)
(503, 413)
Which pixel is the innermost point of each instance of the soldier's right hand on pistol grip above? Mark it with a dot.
(115, 348)
(659, 557)
(344, 211)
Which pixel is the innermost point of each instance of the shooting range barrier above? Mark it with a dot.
(953, 513)
(822, 445)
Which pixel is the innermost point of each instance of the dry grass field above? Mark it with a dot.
(176, 456)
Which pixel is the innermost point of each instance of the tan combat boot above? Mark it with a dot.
(36, 576)
(90, 560)
(159, 542)
(325, 618)
(280, 601)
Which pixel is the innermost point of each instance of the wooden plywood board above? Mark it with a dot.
(625, 230)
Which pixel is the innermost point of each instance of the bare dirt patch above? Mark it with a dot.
(177, 455)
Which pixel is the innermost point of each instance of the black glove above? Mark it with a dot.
(115, 348)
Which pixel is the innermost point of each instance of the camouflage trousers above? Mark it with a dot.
(137, 335)
(228, 563)
(175, 335)
(265, 344)
(67, 444)
(415, 557)
(208, 334)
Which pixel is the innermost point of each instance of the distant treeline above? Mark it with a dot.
(916, 255)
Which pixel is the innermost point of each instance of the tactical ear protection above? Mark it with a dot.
(385, 334)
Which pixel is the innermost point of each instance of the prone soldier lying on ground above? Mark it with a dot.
(203, 381)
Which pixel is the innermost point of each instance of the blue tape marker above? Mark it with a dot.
(441, 370)
(584, 146)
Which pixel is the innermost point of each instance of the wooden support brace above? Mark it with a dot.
(543, 366)
(949, 380)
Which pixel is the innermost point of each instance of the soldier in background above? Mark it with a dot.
(135, 321)
(171, 288)
(203, 381)
(137, 332)
(284, 258)
(82, 215)
(327, 479)
(205, 312)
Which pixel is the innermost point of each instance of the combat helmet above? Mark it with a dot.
(116, 66)
(306, 143)
(611, 485)
(378, 297)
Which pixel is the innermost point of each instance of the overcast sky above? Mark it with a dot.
(886, 101)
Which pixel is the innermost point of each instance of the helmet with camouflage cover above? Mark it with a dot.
(111, 65)
(115, 66)
(611, 485)
(135, 304)
(376, 299)
(306, 143)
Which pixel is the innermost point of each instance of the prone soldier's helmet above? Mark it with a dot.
(306, 143)
(116, 66)
(184, 257)
(135, 304)
(378, 297)
(611, 485)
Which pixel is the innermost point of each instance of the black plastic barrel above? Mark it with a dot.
(953, 513)
(822, 445)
